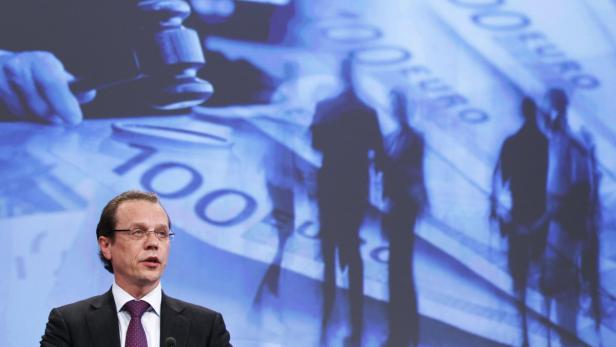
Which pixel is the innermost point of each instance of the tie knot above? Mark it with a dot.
(136, 308)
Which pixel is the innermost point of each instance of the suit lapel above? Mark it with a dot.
(172, 322)
(102, 321)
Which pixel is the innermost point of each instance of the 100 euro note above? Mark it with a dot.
(211, 176)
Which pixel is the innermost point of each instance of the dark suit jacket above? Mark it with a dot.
(94, 322)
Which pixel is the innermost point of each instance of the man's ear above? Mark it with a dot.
(104, 243)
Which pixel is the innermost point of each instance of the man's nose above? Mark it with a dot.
(151, 240)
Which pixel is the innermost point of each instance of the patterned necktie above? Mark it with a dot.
(135, 335)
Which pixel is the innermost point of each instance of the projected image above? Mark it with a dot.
(338, 173)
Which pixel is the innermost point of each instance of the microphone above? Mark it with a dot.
(170, 342)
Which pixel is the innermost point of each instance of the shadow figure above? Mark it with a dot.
(521, 172)
(571, 258)
(405, 198)
(280, 173)
(345, 130)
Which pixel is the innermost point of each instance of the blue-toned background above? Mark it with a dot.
(465, 64)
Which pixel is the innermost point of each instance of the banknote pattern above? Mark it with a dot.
(465, 64)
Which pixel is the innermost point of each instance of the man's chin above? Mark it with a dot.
(149, 280)
(151, 275)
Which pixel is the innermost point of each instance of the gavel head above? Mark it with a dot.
(169, 55)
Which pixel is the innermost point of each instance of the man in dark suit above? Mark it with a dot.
(134, 239)
(521, 172)
(346, 131)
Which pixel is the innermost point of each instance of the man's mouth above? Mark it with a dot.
(151, 261)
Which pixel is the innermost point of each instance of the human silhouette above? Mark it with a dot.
(345, 130)
(572, 252)
(405, 198)
(522, 171)
(280, 172)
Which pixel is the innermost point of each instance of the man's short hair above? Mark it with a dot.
(107, 222)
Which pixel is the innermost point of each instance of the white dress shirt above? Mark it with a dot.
(150, 319)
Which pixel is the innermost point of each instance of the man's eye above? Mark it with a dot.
(138, 232)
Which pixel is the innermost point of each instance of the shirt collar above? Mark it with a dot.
(121, 297)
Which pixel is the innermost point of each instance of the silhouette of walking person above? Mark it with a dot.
(572, 188)
(280, 172)
(405, 198)
(344, 130)
(522, 168)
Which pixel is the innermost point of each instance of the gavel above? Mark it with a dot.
(167, 55)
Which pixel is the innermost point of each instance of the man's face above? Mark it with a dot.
(141, 262)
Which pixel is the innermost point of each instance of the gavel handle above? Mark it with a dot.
(81, 86)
